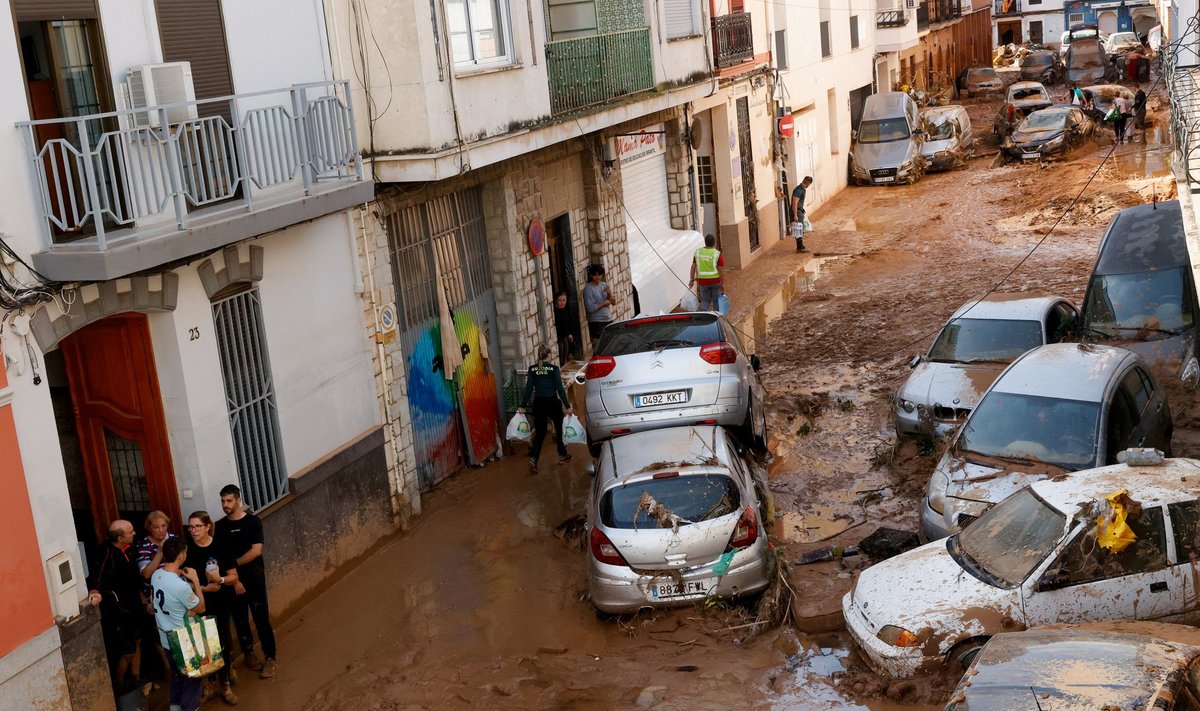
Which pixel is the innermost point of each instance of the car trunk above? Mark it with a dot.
(659, 372)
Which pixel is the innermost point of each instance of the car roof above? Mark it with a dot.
(1143, 238)
(885, 103)
(1172, 481)
(935, 113)
(1065, 371)
(663, 449)
(1008, 307)
(1109, 88)
(1026, 85)
(1082, 668)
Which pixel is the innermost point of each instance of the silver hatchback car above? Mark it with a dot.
(669, 370)
(675, 516)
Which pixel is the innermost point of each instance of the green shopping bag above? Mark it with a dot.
(196, 647)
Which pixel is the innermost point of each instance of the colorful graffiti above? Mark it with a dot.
(434, 404)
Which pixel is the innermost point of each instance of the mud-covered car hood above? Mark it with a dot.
(983, 483)
(1030, 105)
(882, 155)
(930, 148)
(943, 383)
(1029, 139)
(1167, 356)
(927, 593)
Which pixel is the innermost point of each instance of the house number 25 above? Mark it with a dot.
(193, 334)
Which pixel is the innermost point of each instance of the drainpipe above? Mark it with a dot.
(691, 171)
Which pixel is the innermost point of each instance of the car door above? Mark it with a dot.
(1121, 423)
(1184, 519)
(1148, 404)
(1084, 581)
(1060, 323)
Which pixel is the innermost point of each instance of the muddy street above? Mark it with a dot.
(483, 603)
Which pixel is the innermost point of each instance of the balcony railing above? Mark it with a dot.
(102, 175)
(598, 68)
(1008, 7)
(1183, 89)
(943, 10)
(891, 18)
(733, 39)
(922, 16)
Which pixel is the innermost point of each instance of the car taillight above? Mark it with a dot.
(599, 367)
(604, 551)
(746, 532)
(721, 353)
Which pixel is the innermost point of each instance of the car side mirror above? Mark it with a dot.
(755, 361)
(1052, 580)
(590, 468)
(581, 378)
(915, 361)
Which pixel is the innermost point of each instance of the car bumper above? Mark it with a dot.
(880, 656)
(619, 589)
(600, 425)
(914, 424)
(945, 162)
(933, 524)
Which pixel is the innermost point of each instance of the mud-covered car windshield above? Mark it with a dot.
(882, 130)
(1030, 429)
(943, 131)
(1145, 306)
(1030, 94)
(1010, 539)
(1037, 60)
(659, 333)
(693, 498)
(966, 340)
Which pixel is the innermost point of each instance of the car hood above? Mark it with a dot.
(929, 594)
(942, 383)
(1088, 75)
(929, 148)
(1034, 138)
(882, 155)
(1166, 356)
(983, 483)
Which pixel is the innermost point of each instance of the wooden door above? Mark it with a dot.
(118, 414)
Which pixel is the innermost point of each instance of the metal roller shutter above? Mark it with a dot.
(194, 31)
(644, 189)
(48, 10)
(680, 18)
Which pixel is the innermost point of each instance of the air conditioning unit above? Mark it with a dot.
(157, 84)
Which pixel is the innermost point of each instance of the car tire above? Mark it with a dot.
(759, 443)
(963, 653)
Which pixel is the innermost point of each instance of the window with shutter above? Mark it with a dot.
(681, 18)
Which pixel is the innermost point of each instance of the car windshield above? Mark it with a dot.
(1043, 120)
(1124, 38)
(1086, 55)
(1037, 60)
(1030, 429)
(659, 333)
(1030, 94)
(943, 131)
(693, 498)
(1144, 306)
(882, 130)
(984, 74)
(965, 340)
(1011, 538)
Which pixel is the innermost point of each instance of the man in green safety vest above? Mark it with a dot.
(706, 271)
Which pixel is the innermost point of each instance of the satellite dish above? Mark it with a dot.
(698, 133)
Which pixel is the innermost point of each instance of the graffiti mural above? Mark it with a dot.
(431, 403)
(477, 384)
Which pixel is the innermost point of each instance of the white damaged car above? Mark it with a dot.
(1035, 559)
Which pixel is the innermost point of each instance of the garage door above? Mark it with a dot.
(659, 257)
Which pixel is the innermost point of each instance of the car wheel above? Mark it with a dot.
(758, 443)
(963, 653)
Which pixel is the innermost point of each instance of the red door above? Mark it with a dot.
(118, 414)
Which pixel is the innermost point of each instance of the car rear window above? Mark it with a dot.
(1037, 60)
(693, 498)
(659, 333)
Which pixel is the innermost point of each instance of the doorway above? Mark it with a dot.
(104, 385)
(1009, 32)
(562, 271)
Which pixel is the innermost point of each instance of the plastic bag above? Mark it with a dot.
(1112, 532)
(196, 647)
(573, 432)
(1113, 114)
(797, 229)
(690, 301)
(807, 225)
(723, 304)
(518, 428)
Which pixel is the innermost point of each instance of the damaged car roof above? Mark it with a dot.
(667, 448)
(1171, 481)
(1143, 238)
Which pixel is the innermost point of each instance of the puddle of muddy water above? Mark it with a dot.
(818, 674)
(754, 327)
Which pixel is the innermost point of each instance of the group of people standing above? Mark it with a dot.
(163, 578)
(1126, 115)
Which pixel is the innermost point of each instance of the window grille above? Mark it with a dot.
(704, 174)
(250, 397)
(128, 473)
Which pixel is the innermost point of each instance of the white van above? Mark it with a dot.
(887, 144)
(948, 137)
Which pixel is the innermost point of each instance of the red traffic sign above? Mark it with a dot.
(786, 125)
(537, 238)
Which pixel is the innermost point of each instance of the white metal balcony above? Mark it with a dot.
(126, 191)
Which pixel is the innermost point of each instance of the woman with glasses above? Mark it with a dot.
(217, 571)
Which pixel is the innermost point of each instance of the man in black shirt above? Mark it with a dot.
(116, 586)
(545, 387)
(566, 326)
(242, 532)
(798, 196)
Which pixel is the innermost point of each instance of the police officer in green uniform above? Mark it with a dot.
(544, 384)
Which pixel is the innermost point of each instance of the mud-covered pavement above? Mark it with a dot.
(481, 605)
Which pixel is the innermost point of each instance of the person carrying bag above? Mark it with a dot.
(544, 387)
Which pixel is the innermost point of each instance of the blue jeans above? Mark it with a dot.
(185, 691)
(709, 293)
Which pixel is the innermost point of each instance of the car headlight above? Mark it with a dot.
(907, 405)
(896, 636)
(936, 493)
(1054, 142)
(905, 166)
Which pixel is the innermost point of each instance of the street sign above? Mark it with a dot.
(537, 238)
(787, 126)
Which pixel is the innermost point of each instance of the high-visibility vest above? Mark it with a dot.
(706, 263)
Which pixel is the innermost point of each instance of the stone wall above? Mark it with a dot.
(679, 176)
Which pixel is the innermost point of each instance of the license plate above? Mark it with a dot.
(669, 589)
(676, 398)
(888, 179)
(1031, 156)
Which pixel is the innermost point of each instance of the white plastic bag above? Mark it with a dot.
(518, 428)
(807, 225)
(690, 301)
(573, 432)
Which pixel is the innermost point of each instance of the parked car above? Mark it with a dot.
(1141, 295)
(975, 345)
(887, 144)
(1104, 95)
(948, 138)
(1048, 132)
(666, 508)
(1080, 30)
(1057, 409)
(1129, 665)
(662, 371)
(1087, 62)
(1042, 65)
(1122, 42)
(1022, 99)
(976, 81)
(1034, 559)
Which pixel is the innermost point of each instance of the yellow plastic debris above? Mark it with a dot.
(1113, 534)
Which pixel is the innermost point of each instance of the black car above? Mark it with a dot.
(1043, 66)
(1050, 131)
(1141, 295)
